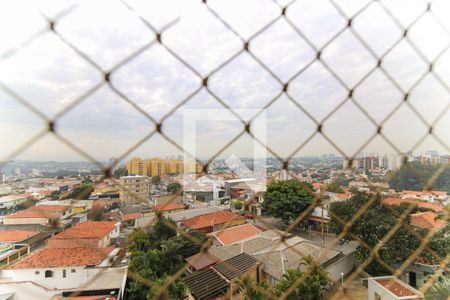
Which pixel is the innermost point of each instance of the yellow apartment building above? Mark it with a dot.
(161, 167)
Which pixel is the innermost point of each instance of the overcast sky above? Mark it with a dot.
(50, 75)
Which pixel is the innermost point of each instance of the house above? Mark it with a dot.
(429, 196)
(427, 220)
(50, 271)
(11, 201)
(391, 288)
(47, 215)
(213, 221)
(169, 207)
(200, 261)
(277, 256)
(90, 234)
(219, 281)
(234, 234)
(422, 204)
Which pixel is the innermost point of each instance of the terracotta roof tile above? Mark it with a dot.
(236, 234)
(16, 235)
(63, 257)
(427, 220)
(169, 206)
(88, 229)
(398, 201)
(132, 216)
(211, 219)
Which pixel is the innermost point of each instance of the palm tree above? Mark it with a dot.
(309, 285)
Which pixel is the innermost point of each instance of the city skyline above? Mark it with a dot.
(104, 126)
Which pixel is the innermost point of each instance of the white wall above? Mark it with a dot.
(344, 265)
(72, 280)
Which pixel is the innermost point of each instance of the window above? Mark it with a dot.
(36, 272)
(72, 271)
(64, 273)
(48, 274)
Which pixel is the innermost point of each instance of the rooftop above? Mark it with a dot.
(235, 266)
(427, 220)
(397, 287)
(211, 219)
(63, 257)
(235, 234)
(206, 284)
(88, 229)
(202, 260)
(169, 206)
(17, 235)
(423, 204)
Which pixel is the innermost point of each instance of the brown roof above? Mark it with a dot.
(395, 287)
(88, 229)
(202, 260)
(398, 201)
(169, 206)
(211, 219)
(40, 211)
(133, 216)
(16, 235)
(427, 220)
(63, 257)
(235, 234)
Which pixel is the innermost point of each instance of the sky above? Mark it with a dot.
(48, 74)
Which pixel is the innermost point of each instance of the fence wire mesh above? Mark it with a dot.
(348, 78)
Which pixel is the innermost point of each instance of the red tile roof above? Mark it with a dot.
(424, 193)
(169, 206)
(396, 288)
(427, 220)
(88, 229)
(16, 235)
(236, 234)
(63, 257)
(40, 211)
(211, 219)
(132, 216)
(398, 201)
(202, 260)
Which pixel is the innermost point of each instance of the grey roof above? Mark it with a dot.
(235, 266)
(276, 256)
(205, 284)
(179, 216)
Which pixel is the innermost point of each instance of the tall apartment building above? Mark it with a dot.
(134, 189)
(137, 166)
(160, 167)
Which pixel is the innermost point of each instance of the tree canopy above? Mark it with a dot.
(413, 176)
(156, 254)
(373, 225)
(173, 187)
(287, 199)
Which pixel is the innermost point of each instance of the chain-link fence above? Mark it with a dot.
(348, 25)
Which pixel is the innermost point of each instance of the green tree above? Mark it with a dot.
(82, 191)
(287, 199)
(254, 291)
(237, 205)
(55, 195)
(372, 226)
(156, 254)
(173, 187)
(335, 187)
(309, 285)
(440, 290)
(156, 180)
(119, 172)
(413, 176)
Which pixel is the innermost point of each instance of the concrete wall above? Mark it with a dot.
(72, 279)
(344, 265)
